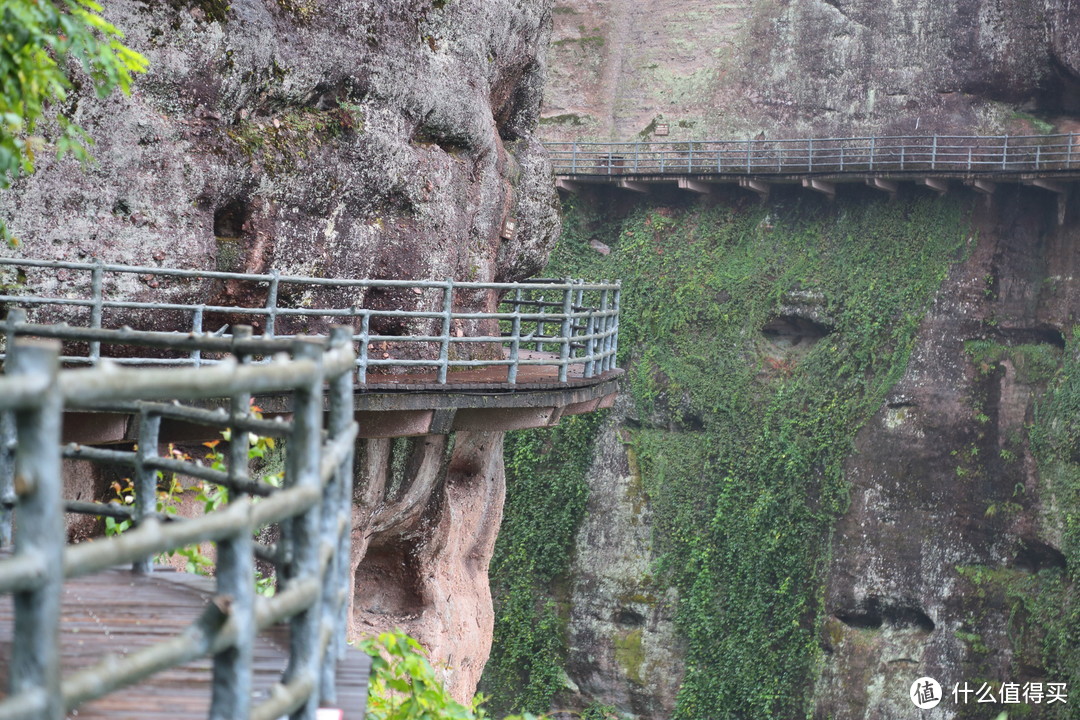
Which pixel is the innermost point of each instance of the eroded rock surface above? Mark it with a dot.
(338, 139)
(943, 480)
(790, 68)
(426, 517)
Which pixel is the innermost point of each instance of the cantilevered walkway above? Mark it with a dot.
(108, 364)
(533, 352)
(935, 161)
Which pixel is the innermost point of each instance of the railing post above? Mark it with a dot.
(613, 337)
(873, 151)
(748, 145)
(515, 339)
(933, 154)
(336, 523)
(810, 154)
(146, 478)
(1069, 149)
(690, 157)
(567, 325)
(271, 304)
(7, 473)
(591, 329)
(1004, 152)
(365, 335)
(197, 330)
(8, 439)
(444, 348)
(98, 299)
(538, 346)
(35, 649)
(233, 668)
(303, 471)
(573, 158)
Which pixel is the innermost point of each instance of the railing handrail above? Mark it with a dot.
(999, 154)
(312, 553)
(530, 315)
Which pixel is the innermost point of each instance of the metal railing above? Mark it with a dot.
(997, 154)
(399, 325)
(311, 507)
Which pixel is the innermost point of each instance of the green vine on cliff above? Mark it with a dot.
(742, 437)
(545, 501)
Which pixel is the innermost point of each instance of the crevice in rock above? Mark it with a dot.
(794, 332)
(873, 614)
(1035, 555)
(229, 219)
(387, 581)
(1059, 92)
(629, 618)
(1041, 334)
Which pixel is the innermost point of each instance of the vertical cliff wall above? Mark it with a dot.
(924, 526)
(787, 68)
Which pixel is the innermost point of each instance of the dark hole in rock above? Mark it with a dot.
(626, 616)
(121, 207)
(1047, 334)
(1060, 92)
(788, 331)
(873, 614)
(864, 620)
(1035, 555)
(387, 582)
(229, 220)
(897, 404)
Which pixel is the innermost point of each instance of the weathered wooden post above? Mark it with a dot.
(35, 649)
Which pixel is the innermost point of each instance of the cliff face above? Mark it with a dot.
(339, 139)
(950, 553)
(788, 68)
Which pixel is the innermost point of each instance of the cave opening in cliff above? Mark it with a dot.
(1060, 91)
(229, 219)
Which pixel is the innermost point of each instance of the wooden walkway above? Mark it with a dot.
(119, 612)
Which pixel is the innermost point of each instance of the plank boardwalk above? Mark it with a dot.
(117, 611)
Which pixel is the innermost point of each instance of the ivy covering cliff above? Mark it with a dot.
(757, 341)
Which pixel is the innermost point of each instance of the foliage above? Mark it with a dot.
(1052, 603)
(38, 40)
(742, 441)
(545, 502)
(171, 494)
(404, 685)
